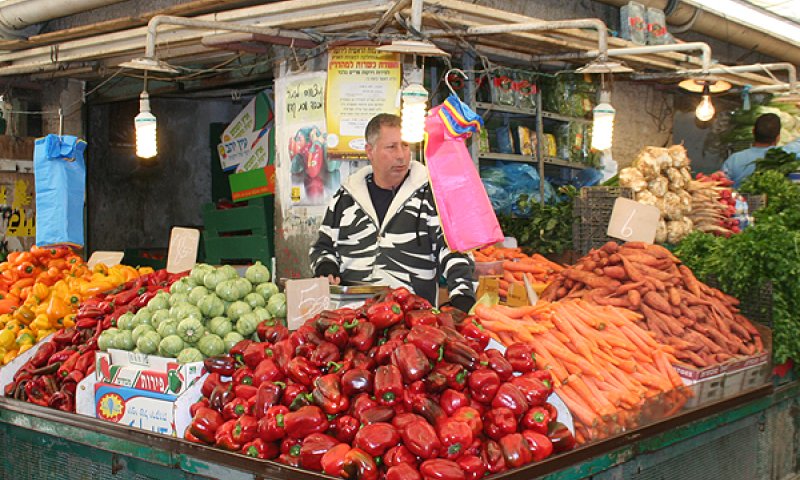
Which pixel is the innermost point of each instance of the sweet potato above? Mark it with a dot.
(633, 273)
(690, 280)
(590, 279)
(639, 257)
(634, 299)
(654, 272)
(616, 272)
(656, 301)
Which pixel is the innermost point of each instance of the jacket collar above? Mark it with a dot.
(356, 185)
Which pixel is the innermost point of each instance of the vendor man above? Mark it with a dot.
(766, 133)
(382, 226)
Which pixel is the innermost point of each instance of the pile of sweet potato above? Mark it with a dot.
(702, 323)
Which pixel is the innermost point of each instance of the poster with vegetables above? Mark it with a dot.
(362, 82)
(301, 136)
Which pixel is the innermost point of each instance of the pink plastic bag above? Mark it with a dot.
(465, 211)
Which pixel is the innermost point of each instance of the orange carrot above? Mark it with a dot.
(577, 405)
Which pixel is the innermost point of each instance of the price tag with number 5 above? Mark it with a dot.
(633, 221)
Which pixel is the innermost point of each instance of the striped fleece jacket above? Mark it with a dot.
(407, 249)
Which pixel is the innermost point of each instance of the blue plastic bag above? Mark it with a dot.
(60, 179)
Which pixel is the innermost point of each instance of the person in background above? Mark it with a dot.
(766, 133)
(382, 227)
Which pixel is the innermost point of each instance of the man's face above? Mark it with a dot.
(390, 158)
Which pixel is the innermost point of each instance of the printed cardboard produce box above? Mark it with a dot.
(146, 372)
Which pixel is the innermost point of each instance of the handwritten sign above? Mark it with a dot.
(304, 299)
(107, 258)
(633, 221)
(182, 253)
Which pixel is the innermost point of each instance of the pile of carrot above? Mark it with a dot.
(702, 323)
(611, 373)
(517, 265)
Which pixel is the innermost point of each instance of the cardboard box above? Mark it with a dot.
(146, 372)
(157, 412)
(249, 140)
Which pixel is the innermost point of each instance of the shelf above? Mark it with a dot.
(527, 111)
(515, 157)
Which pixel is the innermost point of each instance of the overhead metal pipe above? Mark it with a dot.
(17, 16)
(705, 58)
(723, 69)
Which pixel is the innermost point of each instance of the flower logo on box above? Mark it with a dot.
(111, 407)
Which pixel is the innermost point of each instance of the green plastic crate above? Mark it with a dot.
(241, 234)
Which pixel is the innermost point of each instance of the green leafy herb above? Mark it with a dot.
(548, 230)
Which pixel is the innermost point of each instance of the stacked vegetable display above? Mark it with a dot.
(713, 205)
(660, 177)
(392, 390)
(609, 371)
(203, 314)
(701, 323)
(51, 376)
(40, 291)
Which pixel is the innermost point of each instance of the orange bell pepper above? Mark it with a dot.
(57, 308)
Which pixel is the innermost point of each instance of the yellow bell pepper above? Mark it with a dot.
(40, 291)
(41, 322)
(43, 333)
(14, 326)
(24, 314)
(57, 308)
(145, 270)
(25, 336)
(24, 348)
(10, 355)
(7, 338)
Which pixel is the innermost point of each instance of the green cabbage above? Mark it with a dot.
(229, 272)
(211, 305)
(189, 355)
(277, 305)
(231, 339)
(148, 343)
(211, 345)
(176, 298)
(244, 286)
(143, 317)
(267, 290)
(106, 339)
(181, 286)
(158, 317)
(170, 346)
(197, 293)
(257, 273)
(262, 313)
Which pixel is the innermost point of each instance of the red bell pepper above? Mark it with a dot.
(355, 381)
(508, 395)
(460, 353)
(399, 454)
(471, 417)
(305, 421)
(258, 448)
(304, 399)
(221, 395)
(483, 385)
(561, 437)
(345, 428)
(399, 332)
(292, 392)
(205, 423)
(282, 352)
(327, 394)
(324, 354)
(492, 456)
(414, 318)
(235, 409)
(415, 302)
(536, 419)
(430, 340)
(333, 460)
(337, 335)
(43, 354)
(267, 371)
(305, 335)
(363, 337)
(515, 450)
(302, 371)
(272, 426)
(402, 419)
(67, 365)
(359, 465)
(223, 438)
(377, 414)
(451, 400)
(224, 365)
(362, 403)
(399, 295)
(193, 408)
(521, 357)
(420, 438)
(245, 391)
(446, 375)
(499, 364)
(455, 436)
(388, 384)
(268, 395)
(535, 391)
(271, 331)
(540, 446)
(376, 438)
(63, 400)
(212, 380)
(314, 448)
(243, 376)
(383, 353)
(472, 465)
(403, 471)
(413, 364)
(245, 429)
(477, 336)
(237, 351)
(441, 469)
(499, 422)
(358, 359)
(429, 409)
(384, 314)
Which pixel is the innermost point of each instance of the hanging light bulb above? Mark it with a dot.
(145, 124)
(705, 109)
(412, 125)
(603, 122)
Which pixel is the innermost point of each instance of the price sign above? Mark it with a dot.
(488, 285)
(182, 253)
(633, 221)
(304, 299)
(105, 257)
(517, 295)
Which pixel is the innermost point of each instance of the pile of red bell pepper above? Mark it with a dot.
(51, 376)
(393, 389)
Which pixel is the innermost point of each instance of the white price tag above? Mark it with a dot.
(304, 299)
(183, 243)
(633, 221)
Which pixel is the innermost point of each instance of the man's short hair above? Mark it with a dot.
(767, 128)
(373, 129)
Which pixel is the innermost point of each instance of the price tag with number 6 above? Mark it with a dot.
(633, 221)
